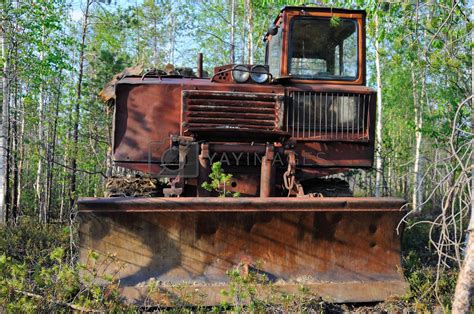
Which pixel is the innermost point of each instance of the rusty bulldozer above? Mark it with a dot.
(281, 129)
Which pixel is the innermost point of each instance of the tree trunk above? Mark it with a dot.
(21, 154)
(232, 31)
(4, 126)
(63, 193)
(378, 148)
(16, 142)
(77, 108)
(52, 149)
(249, 15)
(465, 284)
(172, 36)
(243, 42)
(417, 174)
(155, 36)
(39, 183)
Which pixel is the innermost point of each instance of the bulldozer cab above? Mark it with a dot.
(281, 130)
(317, 45)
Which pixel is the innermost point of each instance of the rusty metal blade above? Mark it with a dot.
(240, 204)
(343, 249)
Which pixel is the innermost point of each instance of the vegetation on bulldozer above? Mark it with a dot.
(220, 181)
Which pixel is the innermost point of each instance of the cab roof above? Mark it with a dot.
(317, 9)
(321, 9)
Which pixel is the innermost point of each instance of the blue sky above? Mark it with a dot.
(78, 6)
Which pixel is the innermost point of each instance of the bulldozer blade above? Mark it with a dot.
(341, 249)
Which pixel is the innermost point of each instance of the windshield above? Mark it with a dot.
(321, 48)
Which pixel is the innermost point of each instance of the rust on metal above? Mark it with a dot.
(220, 113)
(232, 110)
(320, 243)
(240, 204)
(267, 172)
(204, 170)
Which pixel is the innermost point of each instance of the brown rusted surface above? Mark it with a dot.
(204, 170)
(324, 243)
(240, 204)
(211, 112)
(324, 154)
(267, 173)
(223, 74)
(145, 117)
(148, 111)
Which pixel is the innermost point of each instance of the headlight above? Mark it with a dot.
(259, 74)
(240, 73)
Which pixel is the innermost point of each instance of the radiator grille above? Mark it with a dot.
(232, 110)
(331, 116)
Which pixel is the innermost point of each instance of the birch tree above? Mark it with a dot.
(378, 127)
(417, 172)
(462, 302)
(232, 31)
(4, 116)
(39, 187)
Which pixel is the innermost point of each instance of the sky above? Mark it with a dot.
(78, 6)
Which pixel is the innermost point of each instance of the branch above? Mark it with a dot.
(214, 35)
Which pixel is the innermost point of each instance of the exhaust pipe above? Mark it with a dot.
(199, 65)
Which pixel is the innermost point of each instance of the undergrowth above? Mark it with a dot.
(40, 273)
(428, 288)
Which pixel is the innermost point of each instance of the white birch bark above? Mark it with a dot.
(465, 285)
(21, 155)
(417, 171)
(379, 123)
(4, 127)
(39, 188)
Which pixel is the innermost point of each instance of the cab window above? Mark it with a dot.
(323, 49)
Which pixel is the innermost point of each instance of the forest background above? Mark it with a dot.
(56, 132)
